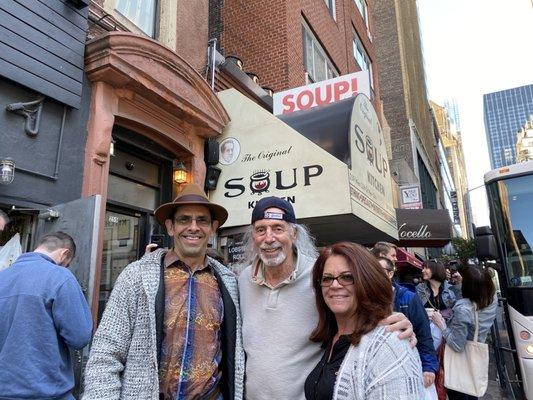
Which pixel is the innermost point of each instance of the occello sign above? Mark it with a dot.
(422, 233)
(423, 228)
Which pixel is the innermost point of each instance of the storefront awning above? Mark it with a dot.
(345, 227)
(423, 227)
(339, 198)
(407, 259)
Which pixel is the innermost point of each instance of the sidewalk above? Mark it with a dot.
(493, 391)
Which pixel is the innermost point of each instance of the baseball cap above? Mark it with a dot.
(264, 204)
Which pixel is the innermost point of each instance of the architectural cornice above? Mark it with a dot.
(128, 61)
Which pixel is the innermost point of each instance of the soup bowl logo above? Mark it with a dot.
(260, 182)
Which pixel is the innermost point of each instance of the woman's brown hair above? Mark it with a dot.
(478, 286)
(373, 292)
(438, 270)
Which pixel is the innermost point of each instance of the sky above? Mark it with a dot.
(474, 47)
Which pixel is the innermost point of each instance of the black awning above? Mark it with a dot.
(328, 126)
(345, 227)
(423, 228)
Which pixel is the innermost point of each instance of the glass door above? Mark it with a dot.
(140, 179)
(121, 247)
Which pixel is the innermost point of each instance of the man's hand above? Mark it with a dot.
(399, 322)
(429, 379)
(150, 247)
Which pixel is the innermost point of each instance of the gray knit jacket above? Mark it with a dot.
(123, 359)
(381, 367)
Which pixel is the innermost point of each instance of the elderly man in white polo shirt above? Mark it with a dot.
(278, 305)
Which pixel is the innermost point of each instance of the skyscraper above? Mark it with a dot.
(505, 112)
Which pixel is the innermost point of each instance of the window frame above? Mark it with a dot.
(329, 68)
(332, 7)
(155, 22)
(357, 44)
(362, 7)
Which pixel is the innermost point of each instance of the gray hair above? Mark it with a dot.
(304, 243)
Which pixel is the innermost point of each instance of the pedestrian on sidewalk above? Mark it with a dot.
(478, 297)
(435, 292)
(436, 295)
(44, 315)
(386, 250)
(409, 303)
(171, 328)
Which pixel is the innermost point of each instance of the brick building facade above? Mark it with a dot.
(269, 36)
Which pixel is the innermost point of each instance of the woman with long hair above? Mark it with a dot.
(478, 298)
(362, 359)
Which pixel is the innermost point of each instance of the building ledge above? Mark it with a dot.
(128, 61)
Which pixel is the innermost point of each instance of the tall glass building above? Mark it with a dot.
(505, 113)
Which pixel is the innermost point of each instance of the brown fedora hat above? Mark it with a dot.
(191, 194)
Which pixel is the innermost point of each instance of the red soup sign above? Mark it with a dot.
(320, 93)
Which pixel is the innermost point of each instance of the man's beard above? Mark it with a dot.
(272, 261)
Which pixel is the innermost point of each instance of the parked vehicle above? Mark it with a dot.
(509, 242)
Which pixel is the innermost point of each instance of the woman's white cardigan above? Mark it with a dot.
(381, 367)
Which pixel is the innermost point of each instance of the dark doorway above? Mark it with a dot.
(140, 179)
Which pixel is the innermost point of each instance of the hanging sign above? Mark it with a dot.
(410, 197)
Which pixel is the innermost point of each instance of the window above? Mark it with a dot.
(140, 12)
(428, 189)
(363, 9)
(361, 57)
(331, 5)
(508, 155)
(317, 64)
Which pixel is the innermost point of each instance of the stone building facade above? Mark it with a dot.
(404, 95)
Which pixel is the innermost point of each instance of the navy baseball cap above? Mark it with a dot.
(264, 204)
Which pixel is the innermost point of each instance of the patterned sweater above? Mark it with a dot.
(123, 360)
(381, 367)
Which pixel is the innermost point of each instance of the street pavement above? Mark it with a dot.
(494, 391)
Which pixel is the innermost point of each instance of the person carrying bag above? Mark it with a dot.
(466, 359)
(468, 371)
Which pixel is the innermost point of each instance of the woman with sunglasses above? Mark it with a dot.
(362, 359)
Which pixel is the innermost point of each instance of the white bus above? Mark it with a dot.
(510, 197)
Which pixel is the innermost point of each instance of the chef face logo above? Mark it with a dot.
(260, 182)
(229, 151)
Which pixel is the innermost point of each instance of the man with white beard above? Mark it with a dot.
(278, 305)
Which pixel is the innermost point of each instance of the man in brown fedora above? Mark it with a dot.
(172, 327)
